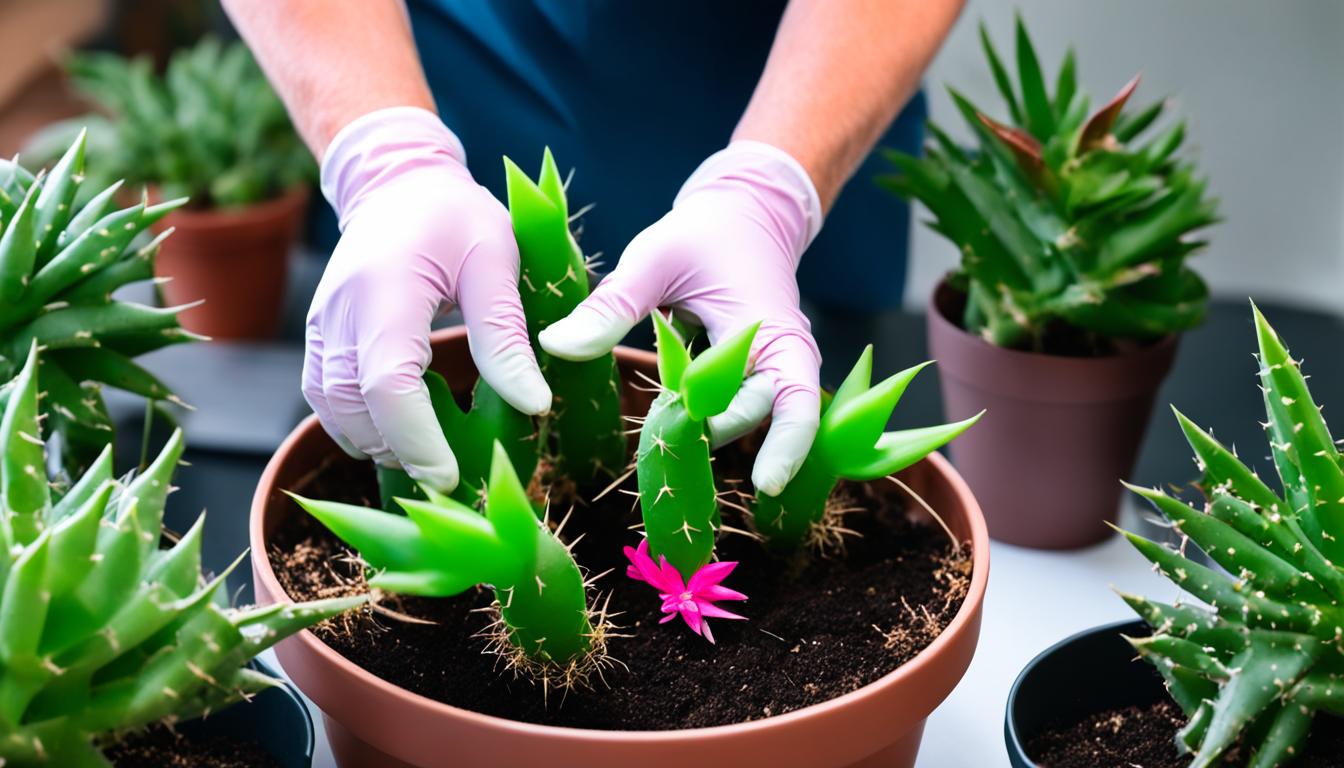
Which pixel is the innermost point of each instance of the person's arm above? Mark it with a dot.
(333, 62)
(838, 73)
(416, 231)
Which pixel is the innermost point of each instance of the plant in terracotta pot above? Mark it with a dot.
(211, 129)
(1073, 228)
(60, 262)
(104, 634)
(495, 636)
(1253, 668)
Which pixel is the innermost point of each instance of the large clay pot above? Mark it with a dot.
(236, 259)
(1059, 432)
(372, 723)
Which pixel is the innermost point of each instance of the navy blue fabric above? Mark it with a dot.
(634, 95)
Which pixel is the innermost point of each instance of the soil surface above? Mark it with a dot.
(818, 628)
(162, 748)
(1145, 737)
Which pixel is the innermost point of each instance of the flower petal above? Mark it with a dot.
(707, 634)
(709, 610)
(669, 578)
(717, 593)
(710, 574)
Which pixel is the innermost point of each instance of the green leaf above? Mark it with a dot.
(713, 378)
(1040, 118)
(1001, 79)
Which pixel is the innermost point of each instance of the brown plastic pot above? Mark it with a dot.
(1059, 433)
(237, 260)
(373, 724)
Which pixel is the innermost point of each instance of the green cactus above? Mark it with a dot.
(101, 632)
(850, 444)
(58, 269)
(1266, 656)
(584, 432)
(1067, 226)
(442, 548)
(676, 482)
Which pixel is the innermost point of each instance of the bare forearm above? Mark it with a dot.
(332, 61)
(838, 73)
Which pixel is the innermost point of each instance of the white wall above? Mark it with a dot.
(1261, 85)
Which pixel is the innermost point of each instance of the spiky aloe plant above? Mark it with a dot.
(851, 444)
(442, 548)
(584, 432)
(676, 482)
(1068, 225)
(1266, 655)
(101, 632)
(58, 269)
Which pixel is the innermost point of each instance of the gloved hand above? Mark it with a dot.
(416, 232)
(725, 256)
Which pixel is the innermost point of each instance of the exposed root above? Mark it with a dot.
(826, 538)
(549, 486)
(957, 544)
(953, 576)
(309, 574)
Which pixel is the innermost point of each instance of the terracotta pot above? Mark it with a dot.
(1091, 672)
(371, 722)
(1059, 435)
(237, 260)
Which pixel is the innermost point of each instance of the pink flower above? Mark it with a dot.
(693, 599)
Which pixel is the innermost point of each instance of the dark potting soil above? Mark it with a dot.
(1145, 737)
(817, 628)
(164, 748)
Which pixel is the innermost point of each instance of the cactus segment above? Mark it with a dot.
(443, 547)
(850, 444)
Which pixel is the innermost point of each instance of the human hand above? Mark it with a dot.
(417, 232)
(725, 257)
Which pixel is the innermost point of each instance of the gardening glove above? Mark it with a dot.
(417, 233)
(725, 257)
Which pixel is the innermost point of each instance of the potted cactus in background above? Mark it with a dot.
(65, 247)
(1062, 319)
(102, 632)
(211, 129)
(1254, 667)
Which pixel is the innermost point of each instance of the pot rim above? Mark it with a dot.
(965, 616)
(1010, 728)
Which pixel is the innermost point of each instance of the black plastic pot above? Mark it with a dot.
(1091, 672)
(276, 718)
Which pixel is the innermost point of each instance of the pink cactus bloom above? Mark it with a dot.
(692, 599)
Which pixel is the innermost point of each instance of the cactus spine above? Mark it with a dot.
(1266, 655)
(102, 632)
(850, 444)
(676, 482)
(442, 548)
(584, 431)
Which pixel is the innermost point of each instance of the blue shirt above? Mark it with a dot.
(633, 96)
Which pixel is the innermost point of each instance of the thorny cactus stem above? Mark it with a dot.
(676, 481)
(1268, 653)
(442, 548)
(101, 632)
(584, 431)
(850, 444)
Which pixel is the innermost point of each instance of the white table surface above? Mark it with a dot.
(1034, 599)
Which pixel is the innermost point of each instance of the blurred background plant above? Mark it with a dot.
(210, 128)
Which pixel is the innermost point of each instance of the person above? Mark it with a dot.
(784, 99)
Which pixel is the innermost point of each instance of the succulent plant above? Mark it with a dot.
(676, 482)
(1068, 225)
(1258, 663)
(59, 264)
(441, 547)
(210, 128)
(101, 632)
(584, 432)
(851, 443)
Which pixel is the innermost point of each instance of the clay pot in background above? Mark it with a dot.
(374, 724)
(1059, 433)
(236, 259)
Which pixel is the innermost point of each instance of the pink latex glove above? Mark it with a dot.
(725, 255)
(416, 233)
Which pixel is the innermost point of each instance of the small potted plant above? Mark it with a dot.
(1252, 670)
(210, 129)
(1063, 316)
(532, 629)
(66, 245)
(104, 634)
